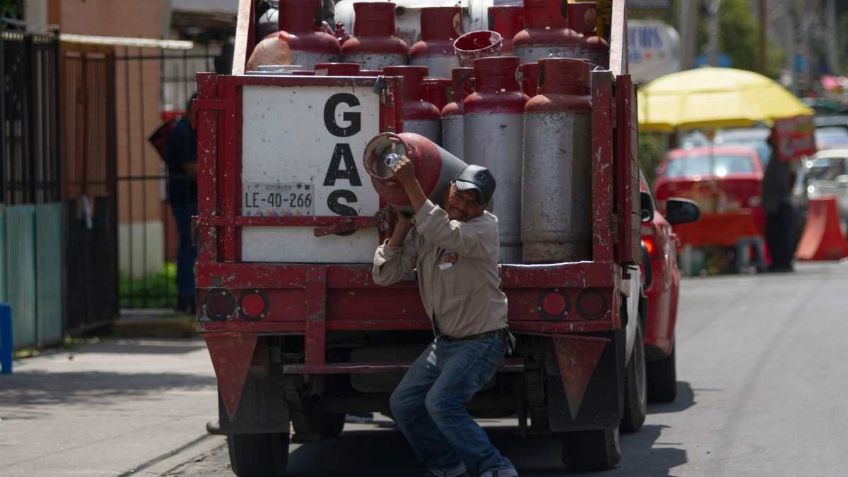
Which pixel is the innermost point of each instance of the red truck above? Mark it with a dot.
(298, 333)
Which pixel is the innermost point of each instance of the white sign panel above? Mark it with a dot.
(654, 48)
(301, 156)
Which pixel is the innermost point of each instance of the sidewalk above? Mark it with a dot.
(105, 409)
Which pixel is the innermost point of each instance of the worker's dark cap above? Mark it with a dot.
(478, 178)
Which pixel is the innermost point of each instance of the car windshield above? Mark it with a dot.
(832, 137)
(717, 165)
(825, 169)
(754, 138)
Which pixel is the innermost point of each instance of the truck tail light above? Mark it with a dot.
(253, 305)
(592, 304)
(219, 305)
(554, 305)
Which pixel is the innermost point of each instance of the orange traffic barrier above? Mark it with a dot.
(822, 238)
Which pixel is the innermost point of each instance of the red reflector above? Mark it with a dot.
(219, 305)
(554, 305)
(591, 304)
(253, 305)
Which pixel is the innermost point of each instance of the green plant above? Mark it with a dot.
(155, 291)
(652, 147)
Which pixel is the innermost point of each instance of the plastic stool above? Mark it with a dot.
(5, 338)
(744, 247)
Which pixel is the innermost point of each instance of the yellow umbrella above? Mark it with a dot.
(714, 98)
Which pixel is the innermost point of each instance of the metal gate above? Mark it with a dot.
(91, 246)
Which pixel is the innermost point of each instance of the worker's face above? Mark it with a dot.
(462, 205)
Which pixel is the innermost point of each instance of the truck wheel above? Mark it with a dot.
(259, 455)
(332, 425)
(635, 387)
(591, 450)
(662, 378)
(315, 425)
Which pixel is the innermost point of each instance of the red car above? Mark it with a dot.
(661, 286)
(726, 183)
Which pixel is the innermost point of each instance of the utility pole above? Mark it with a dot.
(713, 46)
(687, 25)
(831, 37)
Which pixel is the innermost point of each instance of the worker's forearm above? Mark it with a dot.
(416, 194)
(399, 234)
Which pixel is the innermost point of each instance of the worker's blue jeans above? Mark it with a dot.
(429, 405)
(187, 252)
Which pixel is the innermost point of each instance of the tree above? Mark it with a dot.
(737, 32)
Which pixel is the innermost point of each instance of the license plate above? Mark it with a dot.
(278, 200)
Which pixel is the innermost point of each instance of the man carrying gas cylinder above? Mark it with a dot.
(455, 252)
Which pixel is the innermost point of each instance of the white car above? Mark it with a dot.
(825, 174)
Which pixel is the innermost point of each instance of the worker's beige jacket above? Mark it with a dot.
(457, 265)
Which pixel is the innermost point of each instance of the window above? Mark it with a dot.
(718, 166)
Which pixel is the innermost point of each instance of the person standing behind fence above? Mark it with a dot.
(181, 159)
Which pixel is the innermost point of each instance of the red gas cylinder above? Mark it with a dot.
(337, 69)
(581, 18)
(436, 91)
(546, 33)
(440, 26)
(419, 116)
(300, 27)
(453, 132)
(528, 76)
(556, 205)
(506, 20)
(493, 122)
(374, 44)
(435, 168)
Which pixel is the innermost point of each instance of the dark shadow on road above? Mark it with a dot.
(36, 388)
(137, 346)
(685, 400)
(384, 453)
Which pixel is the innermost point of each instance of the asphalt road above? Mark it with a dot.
(763, 391)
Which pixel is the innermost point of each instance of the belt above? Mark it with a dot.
(501, 333)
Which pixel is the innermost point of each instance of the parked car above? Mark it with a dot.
(661, 286)
(823, 174)
(719, 179)
(831, 131)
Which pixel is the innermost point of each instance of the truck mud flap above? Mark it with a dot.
(585, 392)
(261, 409)
(251, 396)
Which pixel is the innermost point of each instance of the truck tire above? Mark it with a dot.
(591, 450)
(635, 387)
(662, 378)
(259, 455)
(314, 425)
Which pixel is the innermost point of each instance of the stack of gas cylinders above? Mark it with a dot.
(515, 99)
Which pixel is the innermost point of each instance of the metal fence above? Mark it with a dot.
(30, 117)
(153, 87)
(31, 255)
